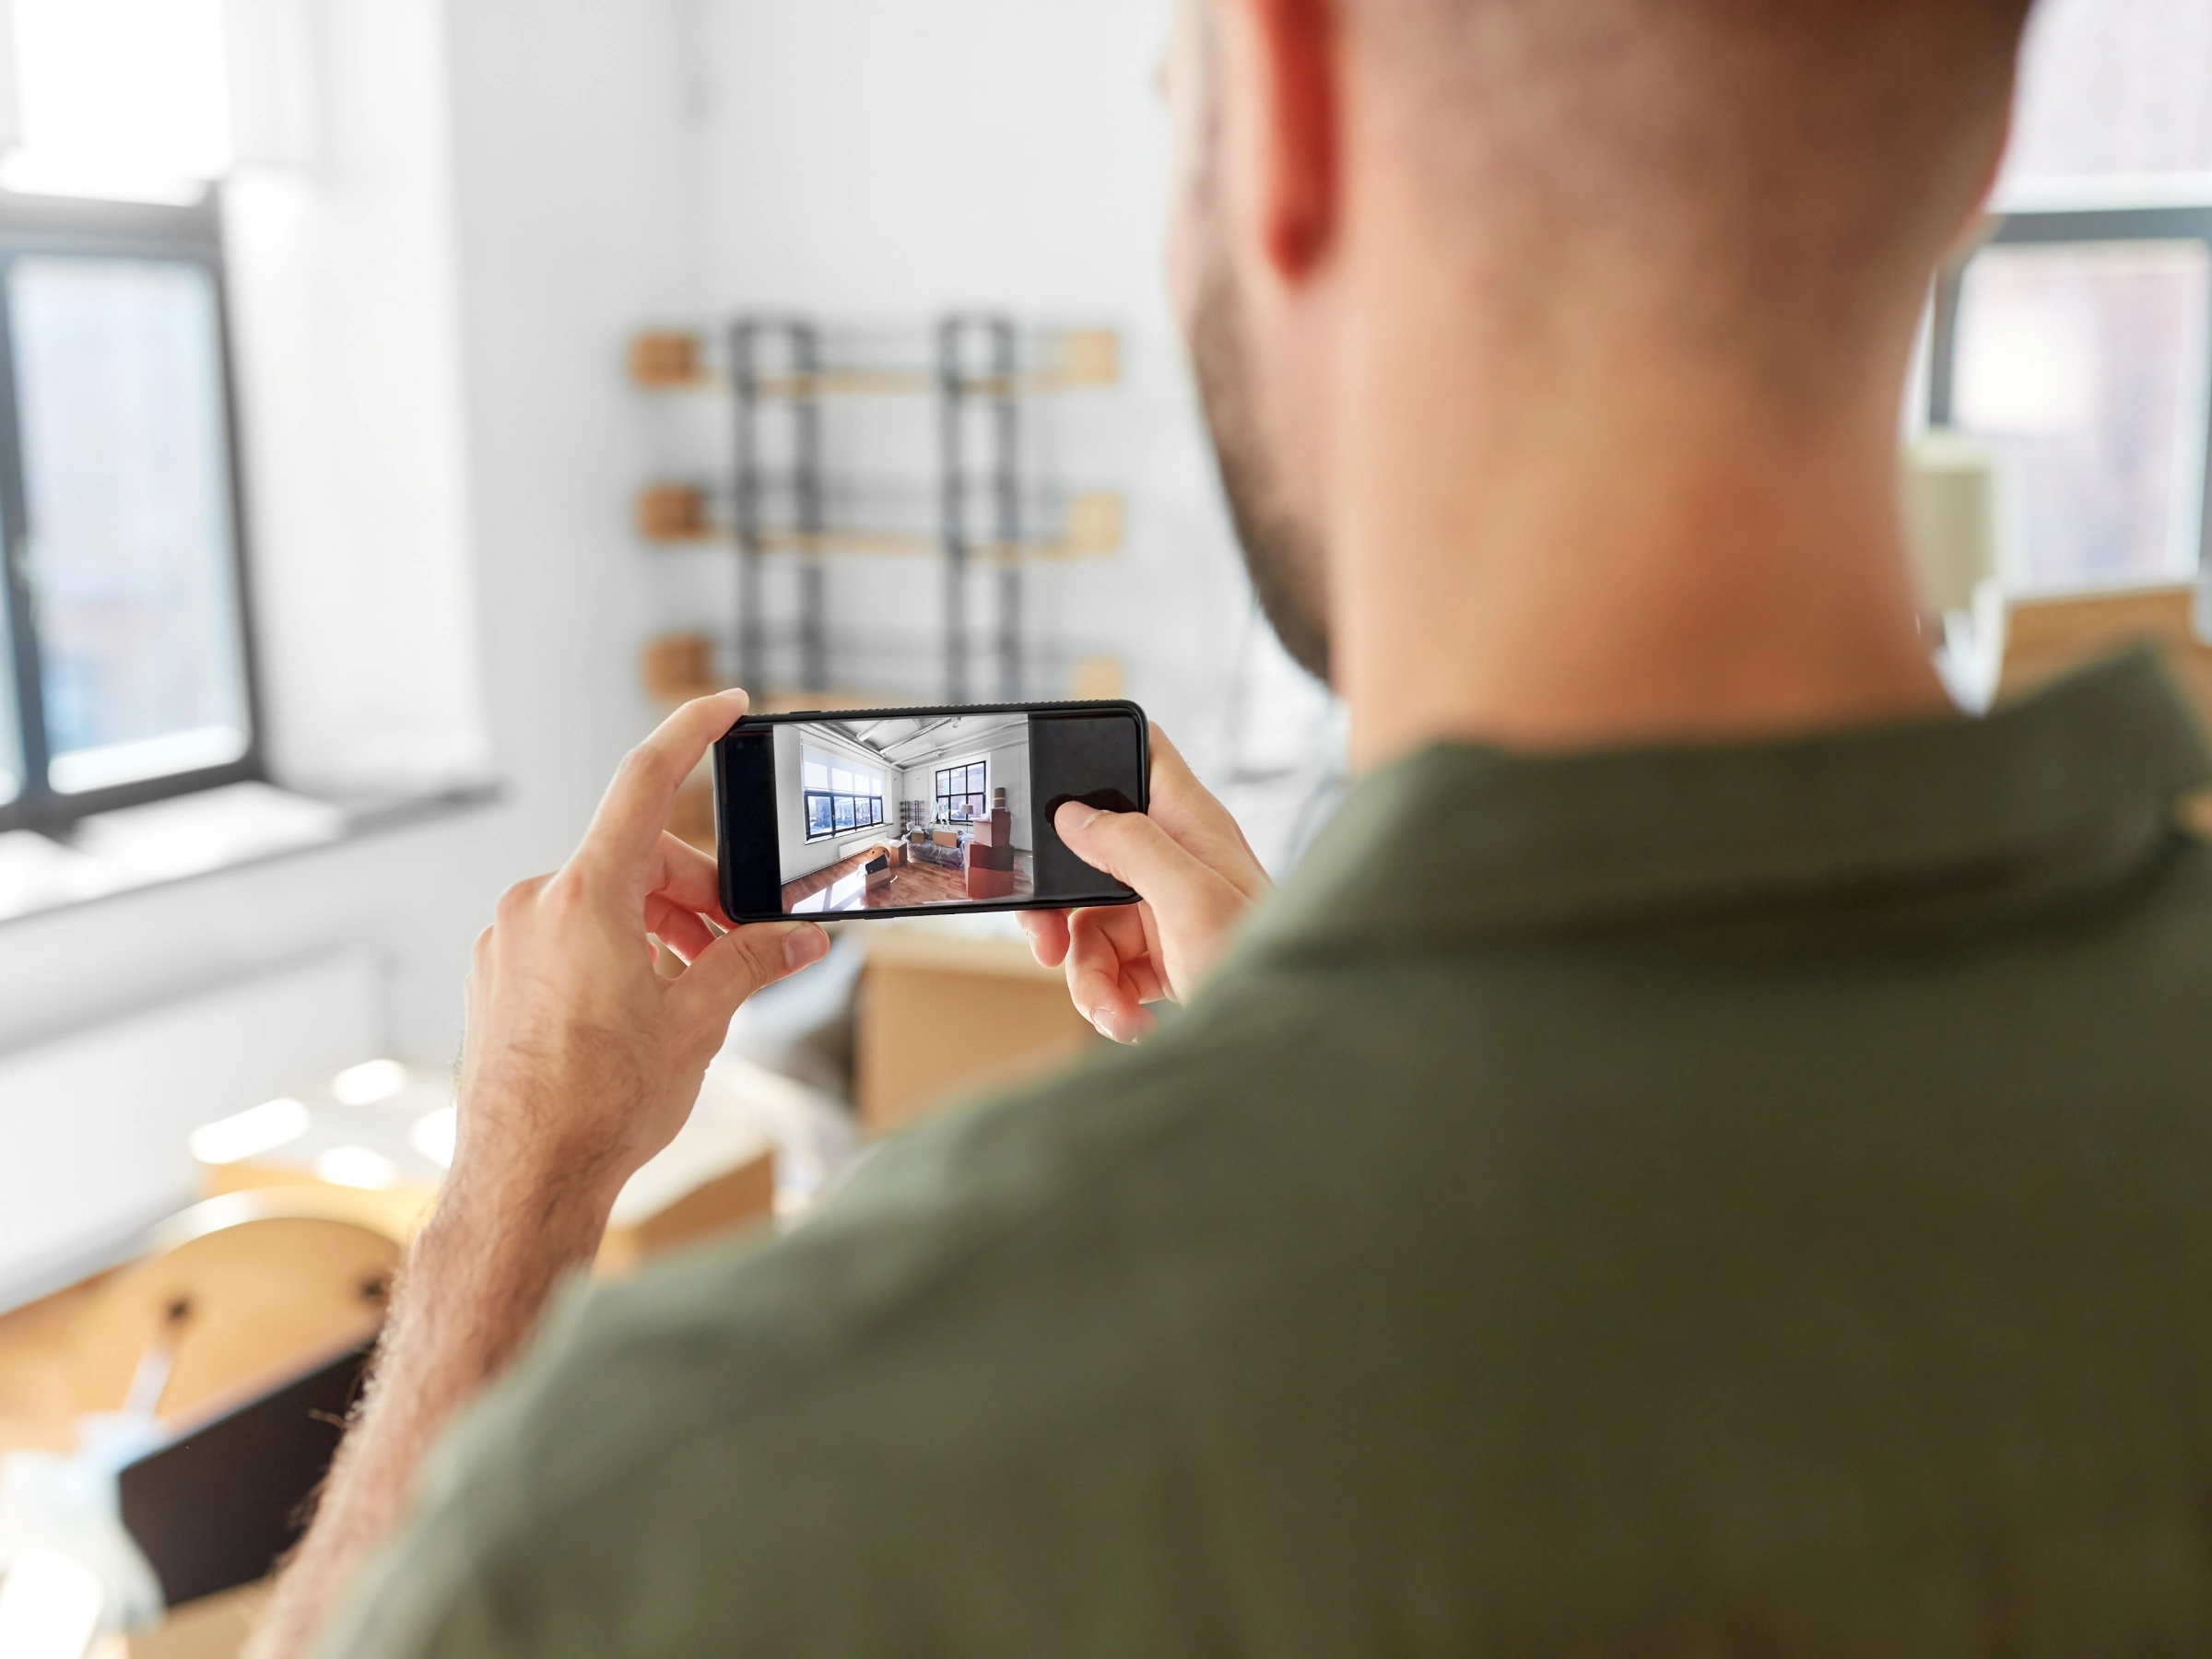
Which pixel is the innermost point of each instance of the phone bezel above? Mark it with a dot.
(1121, 706)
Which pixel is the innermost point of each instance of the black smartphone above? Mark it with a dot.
(920, 812)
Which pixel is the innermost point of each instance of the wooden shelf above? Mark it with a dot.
(1075, 359)
(1092, 527)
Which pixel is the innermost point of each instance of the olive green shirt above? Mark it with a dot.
(1748, 1199)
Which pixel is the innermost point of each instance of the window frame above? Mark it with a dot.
(2072, 227)
(870, 801)
(67, 227)
(938, 797)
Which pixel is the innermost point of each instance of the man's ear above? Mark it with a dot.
(1292, 46)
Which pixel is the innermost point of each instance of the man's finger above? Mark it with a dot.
(1122, 927)
(627, 826)
(679, 929)
(1099, 985)
(1047, 935)
(744, 961)
(690, 879)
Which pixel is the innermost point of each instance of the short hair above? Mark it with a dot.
(1785, 168)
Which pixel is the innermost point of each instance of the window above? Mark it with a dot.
(2075, 342)
(2076, 345)
(122, 98)
(127, 672)
(961, 795)
(839, 797)
(2111, 106)
(124, 664)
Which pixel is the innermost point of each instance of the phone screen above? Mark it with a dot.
(896, 812)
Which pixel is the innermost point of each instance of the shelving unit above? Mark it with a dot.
(981, 369)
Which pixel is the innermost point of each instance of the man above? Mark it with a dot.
(1712, 1153)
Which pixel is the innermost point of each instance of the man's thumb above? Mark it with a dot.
(1134, 849)
(746, 959)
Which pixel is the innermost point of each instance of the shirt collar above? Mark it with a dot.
(2072, 787)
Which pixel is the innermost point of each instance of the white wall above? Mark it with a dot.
(1010, 771)
(794, 858)
(346, 305)
(574, 154)
(881, 160)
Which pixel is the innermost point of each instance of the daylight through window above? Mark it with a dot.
(963, 795)
(2078, 342)
(128, 672)
(839, 796)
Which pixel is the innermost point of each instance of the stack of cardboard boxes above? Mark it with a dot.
(991, 852)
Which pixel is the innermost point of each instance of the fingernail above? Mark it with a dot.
(1099, 1017)
(805, 945)
(1077, 816)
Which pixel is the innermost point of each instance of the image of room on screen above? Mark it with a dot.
(904, 814)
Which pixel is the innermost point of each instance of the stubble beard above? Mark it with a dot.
(1283, 552)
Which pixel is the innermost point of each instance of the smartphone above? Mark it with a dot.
(920, 812)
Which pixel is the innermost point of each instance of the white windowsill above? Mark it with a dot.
(140, 848)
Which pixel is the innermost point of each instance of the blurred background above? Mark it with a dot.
(403, 402)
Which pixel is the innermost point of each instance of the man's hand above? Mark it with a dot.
(1197, 875)
(581, 1063)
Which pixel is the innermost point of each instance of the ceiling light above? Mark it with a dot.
(49, 1605)
(262, 1128)
(370, 1082)
(357, 1167)
(434, 1135)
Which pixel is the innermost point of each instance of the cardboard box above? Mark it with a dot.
(942, 1017)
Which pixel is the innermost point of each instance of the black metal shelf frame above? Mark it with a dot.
(802, 341)
(957, 397)
(776, 361)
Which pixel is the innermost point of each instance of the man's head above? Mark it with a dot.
(1761, 185)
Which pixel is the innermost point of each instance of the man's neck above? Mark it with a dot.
(1610, 549)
